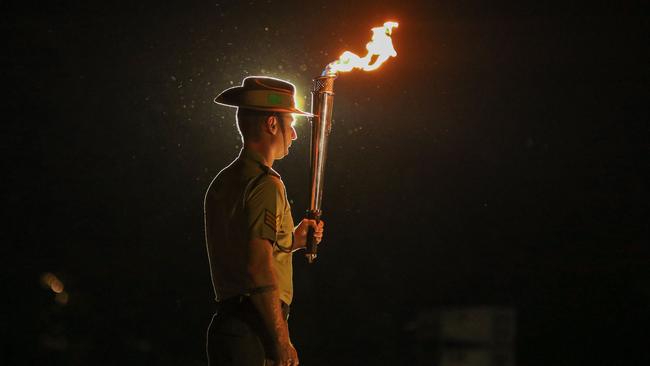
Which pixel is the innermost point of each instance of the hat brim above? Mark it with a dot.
(279, 110)
(232, 98)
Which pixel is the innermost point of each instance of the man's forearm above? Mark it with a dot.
(264, 291)
(267, 304)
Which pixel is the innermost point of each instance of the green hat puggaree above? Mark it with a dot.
(262, 93)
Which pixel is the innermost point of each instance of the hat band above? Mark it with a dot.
(267, 99)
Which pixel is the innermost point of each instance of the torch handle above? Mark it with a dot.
(311, 246)
(322, 99)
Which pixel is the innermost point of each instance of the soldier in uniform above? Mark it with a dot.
(250, 234)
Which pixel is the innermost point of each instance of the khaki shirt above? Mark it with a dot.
(247, 200)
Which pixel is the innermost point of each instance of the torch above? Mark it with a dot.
(380, 49)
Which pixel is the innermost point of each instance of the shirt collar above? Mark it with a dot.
(254, 157)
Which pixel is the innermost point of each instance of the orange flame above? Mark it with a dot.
(380, 46)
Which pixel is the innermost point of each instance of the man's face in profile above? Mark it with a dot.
(287, 134)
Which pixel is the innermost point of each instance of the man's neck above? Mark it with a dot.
(265, 152)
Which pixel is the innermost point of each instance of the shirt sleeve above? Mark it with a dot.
(264, 207)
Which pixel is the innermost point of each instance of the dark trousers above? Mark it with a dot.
(237, 335)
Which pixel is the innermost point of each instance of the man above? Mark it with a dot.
(250, 234)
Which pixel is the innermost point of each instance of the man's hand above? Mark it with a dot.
(286, 354)
(300, 233)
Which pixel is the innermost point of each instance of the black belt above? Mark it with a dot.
(244, 303)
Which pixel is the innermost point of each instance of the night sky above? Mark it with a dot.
(500, 160)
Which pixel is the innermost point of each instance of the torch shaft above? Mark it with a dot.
(322, 101)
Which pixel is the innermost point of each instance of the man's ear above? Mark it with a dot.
(271, 125)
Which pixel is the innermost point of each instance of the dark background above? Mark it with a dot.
(500, 159)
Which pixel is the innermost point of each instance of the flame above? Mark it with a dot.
(380, 46)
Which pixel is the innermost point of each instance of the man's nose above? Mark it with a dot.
(294, 134)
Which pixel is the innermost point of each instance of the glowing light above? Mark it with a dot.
(300, 102)
(380, 49)
(50, 280)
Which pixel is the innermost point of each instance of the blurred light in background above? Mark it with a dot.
(62, 298)
(50, 281)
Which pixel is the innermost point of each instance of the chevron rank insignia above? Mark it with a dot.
(271, 220)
